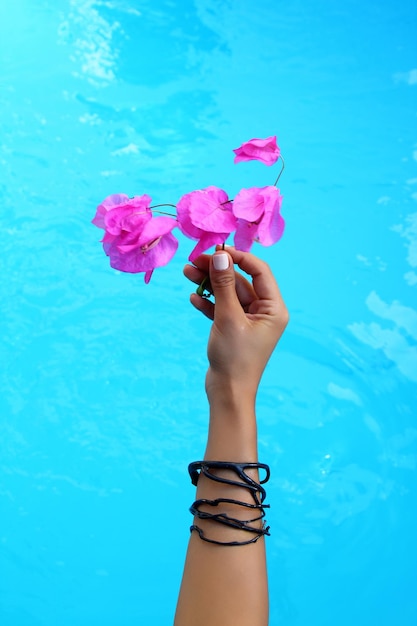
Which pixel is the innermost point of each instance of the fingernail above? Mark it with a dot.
(221, 261)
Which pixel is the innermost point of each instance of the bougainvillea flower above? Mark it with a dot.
(143, 251)
(120, 201)
(265, 150)
(259, 217)
(134, 240)
(205, 215)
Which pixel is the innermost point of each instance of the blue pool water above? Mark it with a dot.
(101, 384)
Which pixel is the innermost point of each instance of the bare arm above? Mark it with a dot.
(227, 585)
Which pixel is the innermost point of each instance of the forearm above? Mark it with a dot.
(226, 585)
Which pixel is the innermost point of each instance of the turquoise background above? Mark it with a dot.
(102, 400)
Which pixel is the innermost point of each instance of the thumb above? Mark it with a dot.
(222, 279)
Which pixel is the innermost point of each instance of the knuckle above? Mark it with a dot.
(223, 280)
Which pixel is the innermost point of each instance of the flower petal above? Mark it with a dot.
(163, 252)
(245, 235)
(271, 229)
(207, 241)
(156, 227)
(210, 210)
(124, 206)
(249, 204)
(265, 150)
(126, 218)
(108, 203)
(184, 220)
(266, 229)
(137, 260)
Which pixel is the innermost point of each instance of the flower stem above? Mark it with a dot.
(155, 206)
(282, 169)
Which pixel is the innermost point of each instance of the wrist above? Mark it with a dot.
(230, 397)
(232, 426)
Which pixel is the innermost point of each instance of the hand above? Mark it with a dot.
(249, 318)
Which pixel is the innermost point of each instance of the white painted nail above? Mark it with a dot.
(221, 261)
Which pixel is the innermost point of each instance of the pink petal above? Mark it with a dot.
(107, 204)
(249, 204)
(116, 199)
(245, 235)
(271, 229)
(119, 200)
(207, 241)
(126, 218)
(162, 253)
(138, 260)
(154, 246)
(108, 238)
(267, 228)
(98, 219)
(265, 150)
(183, 215)
(210, 210)
(271, 226)
(156, 227)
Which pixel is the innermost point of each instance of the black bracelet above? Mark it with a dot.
(257, 491)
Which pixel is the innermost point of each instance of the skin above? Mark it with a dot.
(223, 585)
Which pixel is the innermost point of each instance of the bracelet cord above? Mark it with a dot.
(256, 490)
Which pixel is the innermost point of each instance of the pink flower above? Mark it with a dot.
(122, 202)
(259, 217)
(205, 215)
(154, 246)
(134, 240)
(265, 150)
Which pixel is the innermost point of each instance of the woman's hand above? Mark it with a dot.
(249, 318)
